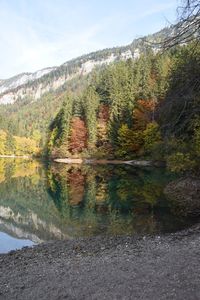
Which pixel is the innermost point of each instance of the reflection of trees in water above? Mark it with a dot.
(14, 168)
(97, 187)
(2, 172)
(87, 200)
(76, 186)
(116, 199)
(58, 191)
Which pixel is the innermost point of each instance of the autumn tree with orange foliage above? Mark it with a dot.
(78, 136)
(143, 113)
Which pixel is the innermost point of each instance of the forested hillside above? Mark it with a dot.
(147, 107)
(28, 102)
(24, 117)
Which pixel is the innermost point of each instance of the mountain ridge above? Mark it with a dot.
(36, 84)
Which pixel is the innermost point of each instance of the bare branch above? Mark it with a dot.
(188, 26)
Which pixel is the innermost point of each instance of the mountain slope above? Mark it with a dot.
(34, 85)
(21, 79)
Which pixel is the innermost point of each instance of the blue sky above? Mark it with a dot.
(39, 33)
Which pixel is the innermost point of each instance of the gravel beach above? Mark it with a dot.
(159, 267)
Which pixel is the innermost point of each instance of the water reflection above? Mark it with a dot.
(9, 243)
(112, 200)
(62, 201)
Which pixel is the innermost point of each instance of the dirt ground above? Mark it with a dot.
(160, 267)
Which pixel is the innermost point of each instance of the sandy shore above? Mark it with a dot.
(161, 267)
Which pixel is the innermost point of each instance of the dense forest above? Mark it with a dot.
(147, 108)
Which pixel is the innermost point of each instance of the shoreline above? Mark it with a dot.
(103, 267)
(15, 156)
(79, 161)
(140, 163)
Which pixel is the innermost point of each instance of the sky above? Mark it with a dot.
(35, 34)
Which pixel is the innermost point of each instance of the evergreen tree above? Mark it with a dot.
(91, 104)
(10, 144)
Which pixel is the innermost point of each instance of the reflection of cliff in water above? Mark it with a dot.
(18, 232)
(28, 226)
(26, 209)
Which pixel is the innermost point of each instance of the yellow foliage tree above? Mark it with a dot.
(3, 136)
(25, 146)
(129, 141)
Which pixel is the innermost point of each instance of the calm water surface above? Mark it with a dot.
(39, 203)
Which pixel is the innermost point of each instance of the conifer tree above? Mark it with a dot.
(91, 104)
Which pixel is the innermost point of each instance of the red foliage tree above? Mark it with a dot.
(143, 114)
(103, 115)
(78, 137)
(76, 181)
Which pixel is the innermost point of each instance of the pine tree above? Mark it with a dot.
(10, 144)
(91, 104)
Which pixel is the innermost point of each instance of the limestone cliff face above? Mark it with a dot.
(33, 86)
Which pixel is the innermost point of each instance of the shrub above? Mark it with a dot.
(180, 162)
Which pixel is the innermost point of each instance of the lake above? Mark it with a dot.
(52, 202)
